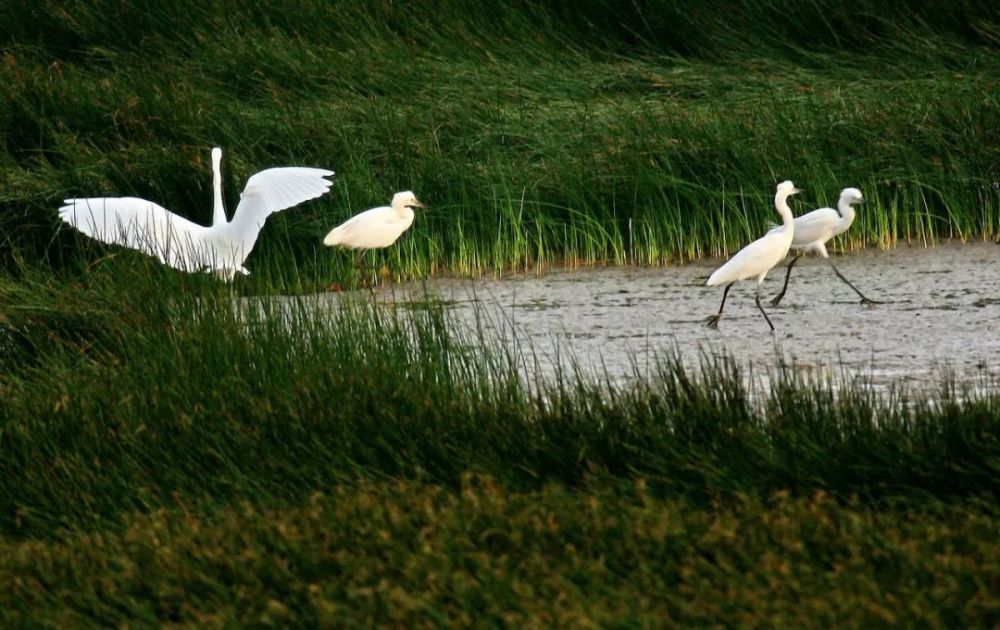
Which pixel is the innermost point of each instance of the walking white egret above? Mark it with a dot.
(757, 258)
(221, 248)
(814, 229)
(375, 228)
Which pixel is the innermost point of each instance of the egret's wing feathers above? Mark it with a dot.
(277, 189)
(737, 266)
(289, 186)
(753, 259)
(135, 223)
(271, 191)
(818, 225)
(822, 216)
(352, 229)
(175, 241)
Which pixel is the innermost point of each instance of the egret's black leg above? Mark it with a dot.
(864, 300)
(713, 320)
(756, 298)
(359, 257)
(788, 274)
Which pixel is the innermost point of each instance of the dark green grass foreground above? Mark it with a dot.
(166, 459)
(410, 554)
(538, 131)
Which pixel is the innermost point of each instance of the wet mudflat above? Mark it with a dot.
(940, 311)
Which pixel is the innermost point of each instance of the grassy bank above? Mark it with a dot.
(539, 132)
(415, 555)
(168, 457)
(122, 402)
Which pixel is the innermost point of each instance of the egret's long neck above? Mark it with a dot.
(846, 211)
(781, 205)
(218, 210)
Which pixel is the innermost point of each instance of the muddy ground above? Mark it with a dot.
(940, 311)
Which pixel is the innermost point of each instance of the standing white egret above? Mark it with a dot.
(814, 229)
(757, 258)
(375, 228)
(221, 248)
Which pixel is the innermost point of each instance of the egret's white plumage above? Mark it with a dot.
(182, 244)
(760, 256)
(218, 208)
(814, 229)
(378, 227)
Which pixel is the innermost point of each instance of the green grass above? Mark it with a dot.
(415, 555)
(199, 463)
(539, 133)
(125, 397)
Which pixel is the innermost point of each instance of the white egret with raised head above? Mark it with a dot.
(221, 248)
(376, 228)
(759, 257)
(814, 229)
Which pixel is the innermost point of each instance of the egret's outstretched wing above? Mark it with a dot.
(271, 191)
(290, 185)
(138, 224)
(274, 190)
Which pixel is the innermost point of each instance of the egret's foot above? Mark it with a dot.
(870, 301)
(712, 321)
(776, 300)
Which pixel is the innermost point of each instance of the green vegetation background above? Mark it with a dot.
(166, 458)
(538, 131)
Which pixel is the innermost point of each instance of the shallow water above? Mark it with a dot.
(941, 310)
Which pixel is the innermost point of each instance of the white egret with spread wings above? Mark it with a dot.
(221, 248)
